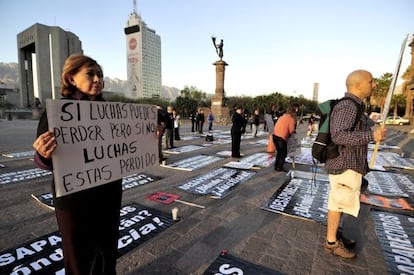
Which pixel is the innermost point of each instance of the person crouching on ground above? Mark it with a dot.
(284, 128)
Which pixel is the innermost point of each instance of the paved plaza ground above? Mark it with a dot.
(236, 222)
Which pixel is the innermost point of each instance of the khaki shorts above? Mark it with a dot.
(345, 192)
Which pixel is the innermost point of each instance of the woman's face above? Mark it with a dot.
(89, 80)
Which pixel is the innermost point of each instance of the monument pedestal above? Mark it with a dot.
(221, 114)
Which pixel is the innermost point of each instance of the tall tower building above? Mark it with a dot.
(315, 91)
(143, 58)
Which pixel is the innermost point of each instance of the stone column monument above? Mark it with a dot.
(220, 113)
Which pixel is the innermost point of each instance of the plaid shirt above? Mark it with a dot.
(352, 144)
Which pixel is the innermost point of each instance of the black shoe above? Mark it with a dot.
(281, 170)
(364, 185)
(237, 157)
(348, 243)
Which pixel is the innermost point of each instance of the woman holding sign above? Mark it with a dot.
(88, 220)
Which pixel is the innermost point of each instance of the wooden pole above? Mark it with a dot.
(388, 98)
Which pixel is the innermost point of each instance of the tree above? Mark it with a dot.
(190, 99)
(379, 93)
(398, 101)
(408, 77)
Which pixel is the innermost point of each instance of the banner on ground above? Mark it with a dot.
(192, 163)
(25, 154)
(390, 184)
(261, 142)
(301, 198)
(228, 264)
(309, 175)
(189, 137)
(239, 165)
(218, 141)
(395, 233)
(129, 182)
(216, 183)
(225, 153)
(390, 159)
(99, 142)
(259, 159)
(183, 149)
(44, 255)
(29, 174)
(371, 146)
(305, 158)
(393, 204)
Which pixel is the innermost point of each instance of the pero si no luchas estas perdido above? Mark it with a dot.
(99, 142)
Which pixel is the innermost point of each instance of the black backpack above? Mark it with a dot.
(323, 148)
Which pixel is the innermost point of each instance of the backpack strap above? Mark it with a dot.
(360, 109)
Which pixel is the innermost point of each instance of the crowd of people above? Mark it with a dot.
(90, 241)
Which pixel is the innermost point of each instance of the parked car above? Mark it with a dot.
(395, 120)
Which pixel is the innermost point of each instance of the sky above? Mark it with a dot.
(270, 45)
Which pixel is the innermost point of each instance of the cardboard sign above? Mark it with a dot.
(99, 142)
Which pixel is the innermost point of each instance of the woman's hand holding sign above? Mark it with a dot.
(45, 144)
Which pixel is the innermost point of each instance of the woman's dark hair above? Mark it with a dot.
(72, 66)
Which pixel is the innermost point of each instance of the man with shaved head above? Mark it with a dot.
(351, 131)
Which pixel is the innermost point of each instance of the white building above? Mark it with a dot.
(143, 59)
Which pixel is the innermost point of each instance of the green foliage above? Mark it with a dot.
(398, 102)
(406, 75)
(379, 93)
(271, 102)
(190, 100)
(382, 85)
(152, 101)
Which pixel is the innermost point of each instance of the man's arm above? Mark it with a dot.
(342, 121)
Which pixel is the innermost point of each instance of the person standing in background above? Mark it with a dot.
(237, 129)
(200, 121)
(169, 129)
(177, 122)
(88, 220)
(285, 126)
(255, 122)
(161, 123)
(210, 119)
(312, 120)
(193, 119)
(270, 125)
